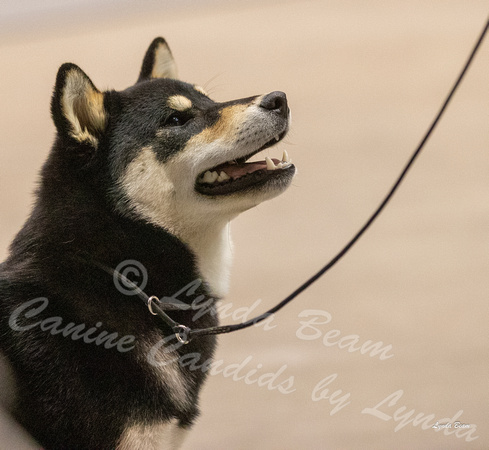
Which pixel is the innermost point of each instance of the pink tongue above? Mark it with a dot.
(239, 170)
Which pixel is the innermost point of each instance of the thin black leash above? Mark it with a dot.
(184, 334)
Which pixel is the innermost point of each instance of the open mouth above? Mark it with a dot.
(239, 175)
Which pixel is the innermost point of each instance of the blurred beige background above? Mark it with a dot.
(364, 80)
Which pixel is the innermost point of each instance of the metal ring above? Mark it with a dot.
(182, 329)
(152, 299)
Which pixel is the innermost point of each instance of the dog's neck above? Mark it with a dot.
(209, 241)
(213, 249)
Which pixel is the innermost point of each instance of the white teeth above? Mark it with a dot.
(286, 161)
(213, 177)
(206, 177)
(277, 138)
(285, 157)
(270, 164)
(210, 177)
(223, 176)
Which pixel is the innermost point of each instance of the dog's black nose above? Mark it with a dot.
(276, 101)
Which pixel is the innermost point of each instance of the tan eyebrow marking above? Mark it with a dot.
(179, 103)
(201, 90)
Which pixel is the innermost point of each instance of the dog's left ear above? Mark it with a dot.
(77, 106)
(158, 62)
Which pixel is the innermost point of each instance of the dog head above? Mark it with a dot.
(162, 152)
(175, 156)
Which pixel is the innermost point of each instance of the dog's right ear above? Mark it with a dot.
(158, 62)
(77, 106)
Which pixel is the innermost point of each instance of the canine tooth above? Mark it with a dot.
(285, 157)
(223, 176)
(270, 164)
(277, 137)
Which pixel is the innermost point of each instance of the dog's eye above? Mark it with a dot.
(176, 120)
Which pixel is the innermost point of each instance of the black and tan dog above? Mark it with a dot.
(153, 175)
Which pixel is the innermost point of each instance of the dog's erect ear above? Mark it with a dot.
(77, 106)
(158, 62)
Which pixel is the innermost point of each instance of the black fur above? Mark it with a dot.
(139, 111)
(74, 395)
